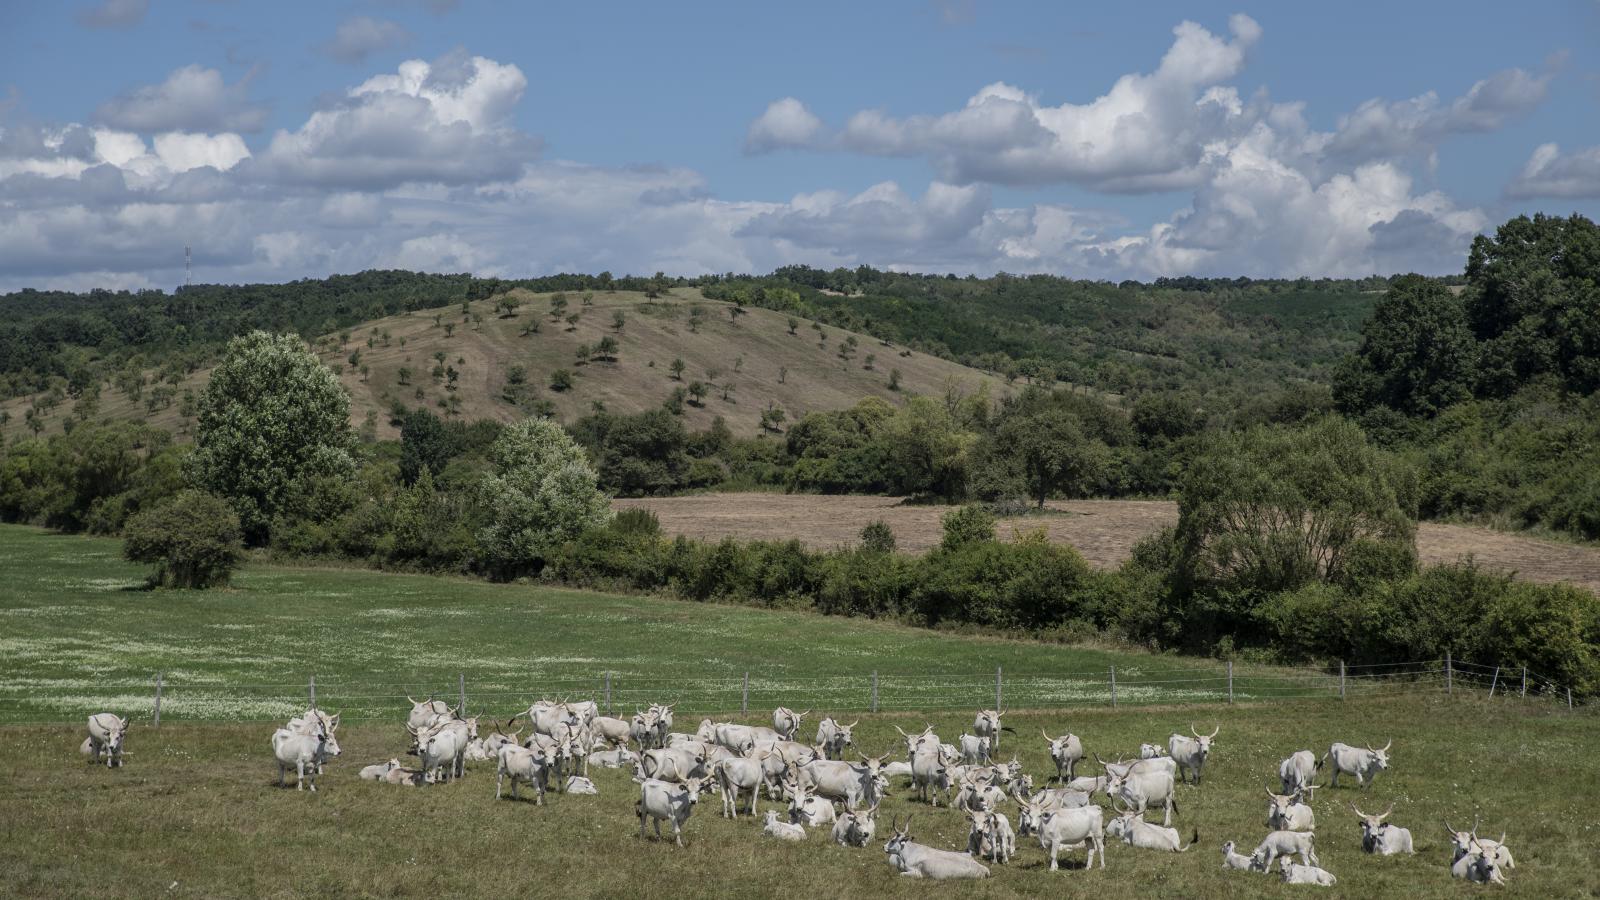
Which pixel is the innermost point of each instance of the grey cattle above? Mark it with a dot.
(740, 774)
(853, 784)
(532, 765)
(614, 759)
(615, 732)
(1031, 809)
(1293, 874)
(783, 831)
(1287, 843)
(1463, 841)
(987, 724)
(660, 802)
(916, 742)
(577, 784)
(930, 773)
(978, 794)
(1364, 764)
(1478, 866)
(1131, 828)
(1381, 838)
(806, 808)
(855, 827)
(1065, 829)
(1233, 859)
(915, 860)
(1288, 812)
(1141, 789)
(740, 738)
(677, 764)
(786, 722)
(304, 750)
(833, 737)
(974, 749)
(423, 712)
(106, 733)
(1298, 771)
(380, 771)
(1190, 752)
(1065, 752)
(990, 835)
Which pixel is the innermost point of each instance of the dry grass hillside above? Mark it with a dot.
(753, 355)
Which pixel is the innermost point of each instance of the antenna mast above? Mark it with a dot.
(188, 266)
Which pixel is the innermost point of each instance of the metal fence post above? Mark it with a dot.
(461, 692)
(1449, 675)
(1113, 687)
(1230, 681)
(997, 705)
(1341, 679)
(1493, 682)
(157, 722)
(874, 690)
(744, 703)
(608, 692)
(311, 688)
(1524, 682)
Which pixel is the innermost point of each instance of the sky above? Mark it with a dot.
(1107, 141)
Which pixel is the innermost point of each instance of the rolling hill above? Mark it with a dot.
(752, 353)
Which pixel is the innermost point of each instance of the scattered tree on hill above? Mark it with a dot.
(582, 353)
(868, 362)
(894, 379)
(697, 393)
(695, 316)
(783, 374)
(772, 418)
(194, 540)
(561, 380)
(405, 375)
(530, 326)
(1051, 453)
(540, 493)
(738, 363)
(572, 321)
(618, 320)
(607, 348)
(588, 298)
(509, 304)
(793, 324)
(675, 400)
(727, 392)
(364, 372)
(449, 329)
(1417, 355)
(558, 306)
(677, 368)
(271, 417)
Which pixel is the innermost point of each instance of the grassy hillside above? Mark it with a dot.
(754, 354)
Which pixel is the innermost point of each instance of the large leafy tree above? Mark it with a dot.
(1049, 452)
(271, 418)
(540, 493)
(1416, 357)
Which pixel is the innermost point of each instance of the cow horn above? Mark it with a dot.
(1388, 745)
(1386, 813)
(902, 732)
(412, 699)
(1357, 811)
(1447, 827)
(1502, 837)
(802, 715)
(1047, 736)
(853, 724)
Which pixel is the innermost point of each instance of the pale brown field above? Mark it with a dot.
(1104, 531)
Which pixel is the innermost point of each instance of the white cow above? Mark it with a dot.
(615, 732)
(915, 860)
(1142, 788)
(783, 831)
(305, 750)
(855, 827)
(532, 765)
(1364, 764)
(1030, 809)
(1133, 830)
(740, 774)
(678, 764)
(1463, 841)
(1298, 771)
(660, 801)
(1288, 812)
(987, 724)
(1478, 866)
(853, 784)
(1190, 752)
(577, 784)
(1288, 843)
(930, 773)
(806, 808)
(833, 737)
(1380, 837)
(1065, 829)
(990, 835)
(974, 749)
(614, 759)
(379, 772)
(1293, 874)
(1233, 859)
(106, 733)
(786, 722)
(423, 712)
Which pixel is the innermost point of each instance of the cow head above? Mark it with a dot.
(1371, 826)
(900, 835)
(1150, 751)
(1484, 869)
(872, 763)
(1203, 740)
(694, 787)
(1380, 758)
(1030, 812)
(915, 742)
(1278, 809)
(988, 721)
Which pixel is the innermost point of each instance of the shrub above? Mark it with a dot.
(541, 493)
(966, 525)
(878, 537)
(194, 541)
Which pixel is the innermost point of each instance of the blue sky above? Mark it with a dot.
(1108, 141)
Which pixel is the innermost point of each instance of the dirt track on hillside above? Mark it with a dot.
(1104, 531)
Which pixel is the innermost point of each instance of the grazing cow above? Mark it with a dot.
(305, 749)
(856, 827)
(1288, 812)
(987, 724)
(614, 732)
(677, 764)
(737, 774)
(106, 732)
(1069, 829)
(532, 765)
(1140, 789)
(379, 772)
(1478, 866)
(1190, 752)
(786, 722)
(990, 835)
(1233, 859)
(660, 801)
(1288, 843)
(1363, 764)
(806, 808)
(833, 737)
(1464, 840)
(1293, 874)
(915, 860)
(1135, 831)
(1380, 837)
(783, 831)
(974, 749)
(1298, 771)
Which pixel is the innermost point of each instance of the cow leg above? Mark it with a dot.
(753, 797)
(499, 780)
(677, 835)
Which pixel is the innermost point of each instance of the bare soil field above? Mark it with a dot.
(1104, 531)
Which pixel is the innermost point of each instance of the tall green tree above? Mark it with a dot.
(1417, 355)
(271, 416)
(541, 492)
(1051, 453)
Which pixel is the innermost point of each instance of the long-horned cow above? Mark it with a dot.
(833, 737)
(1190, 752)
(1378, 836)
(915, 860)
(106, 733)
(1298, 770)
(1364, 764)
(786, 721)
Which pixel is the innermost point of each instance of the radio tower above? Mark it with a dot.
(188, 266)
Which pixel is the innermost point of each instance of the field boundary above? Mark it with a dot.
(176, 700)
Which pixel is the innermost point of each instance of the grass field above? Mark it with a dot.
(1104, 531)
(194, 812)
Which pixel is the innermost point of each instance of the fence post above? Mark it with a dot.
(608, 692)
(461, 693)
(1341, 679)
(1230, 681)
(1569, 698)
(157, 722)
(1524, 682)
(1494, 681)
(1113, 687)
(874, 690)
(744, 703)
(311, 688)
(1449, 675)
(997, 706)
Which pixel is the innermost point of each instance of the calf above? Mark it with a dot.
(1289, 813)
(990, 835)
(855, 827)
(532, 765)
(1287, 843)
(783, 831)
(1298, 771)
(1364, 764)
(1135, 831)
(987, 724)
(577, 784)
(1380, 837)
(1293, 874)
(106, 732)
(660, 801)
(915, 860)
(1232, 859)
(833, 737)
(379, 772)
(786, 722)
(1190, 752)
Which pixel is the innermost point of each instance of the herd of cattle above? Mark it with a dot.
(816, 787)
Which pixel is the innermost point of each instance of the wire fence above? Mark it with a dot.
(166, 699)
